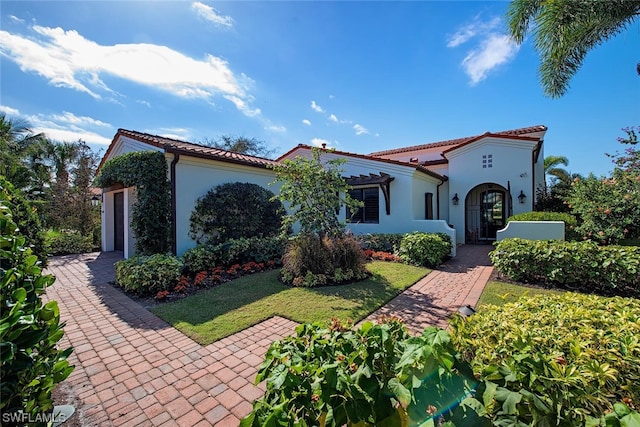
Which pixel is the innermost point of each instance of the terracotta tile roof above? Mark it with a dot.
(451, 143)
(189, 149)
(416, 166)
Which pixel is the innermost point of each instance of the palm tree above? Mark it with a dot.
(21, 154)
(566, 30)
(551, 167)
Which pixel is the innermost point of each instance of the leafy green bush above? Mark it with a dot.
(381, 242)
(565, 357)
(311, 261)
(25, 216)
(32, 364)
(609, 208)
(233, 211)
(64, 243)
(570, 222)
(147, 275)
(377, 375)
(424, 249)
(234, 251)
(583, 266)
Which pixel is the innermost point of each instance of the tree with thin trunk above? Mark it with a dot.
(564, 31)
(551, 167)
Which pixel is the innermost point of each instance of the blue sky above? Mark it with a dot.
(360, 76)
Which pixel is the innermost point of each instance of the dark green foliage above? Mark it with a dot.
(234, 251)
(151, 216)
(233, 211)
(424, 249)
(377, 375)
(381, 242)
(583, 266)
(26, 218)
(311, 261)
(146, 275)
(32, 365)
(565, 357)
(69, 242)
(570, 222)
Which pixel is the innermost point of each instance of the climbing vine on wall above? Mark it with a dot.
(151, 215)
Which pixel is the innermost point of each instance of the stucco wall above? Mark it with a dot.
(195, 177)
(511, 163)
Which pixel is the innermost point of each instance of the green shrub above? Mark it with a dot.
(565, 356)
(424, 249)
(26, 218)
(570, 222)
(233, 211)
(32, 365)
(69, 242)
(381, 242)
(234, 251)
(583, 266)
(377, 375)
(147, 275)
(311, 261)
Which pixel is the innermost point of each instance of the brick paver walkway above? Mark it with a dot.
(134, 369)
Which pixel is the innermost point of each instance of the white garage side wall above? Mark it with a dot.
(106, 212)
(195, 177)
(108, 218)
(511, 162)
(533, 230)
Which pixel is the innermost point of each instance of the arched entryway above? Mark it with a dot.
(487, 207)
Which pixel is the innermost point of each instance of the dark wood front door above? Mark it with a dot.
(118, 221)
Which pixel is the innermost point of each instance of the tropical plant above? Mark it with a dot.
(424, 249)
(552, 167)
(235, 210)
(378, 375)
(565, 31)
(566, 358)
(147, 275)
(32, 365)
(315, 191)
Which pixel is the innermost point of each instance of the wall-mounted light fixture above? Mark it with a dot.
(522, 197)
(455, 199)
(95, 200)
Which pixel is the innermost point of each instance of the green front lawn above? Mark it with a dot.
(499, 293)
(234, 306)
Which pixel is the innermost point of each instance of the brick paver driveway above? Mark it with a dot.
(134, 369)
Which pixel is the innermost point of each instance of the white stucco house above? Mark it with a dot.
(465, 187)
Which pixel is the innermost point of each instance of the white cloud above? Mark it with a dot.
(72, 135)
(145, 103)
(276, 128)
(333, 118)
(67, 59)
(15, 19)
(9, 111)
(210, 14)
(306, 122)
(467, 32)
(360, 130)
(72, 119)
(316, 107)
(494, 51)
(319, 142)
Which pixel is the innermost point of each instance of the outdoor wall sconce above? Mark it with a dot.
(455, 199)
(95, 201)
(521, 197)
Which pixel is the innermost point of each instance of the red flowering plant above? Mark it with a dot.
(162, 295)
(200, 278)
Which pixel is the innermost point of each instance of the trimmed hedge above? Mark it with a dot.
(424, 249)
(570, 221)
(66, 243)
(234, 251)
(582, 266)
(147, 275)
(564, 357)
